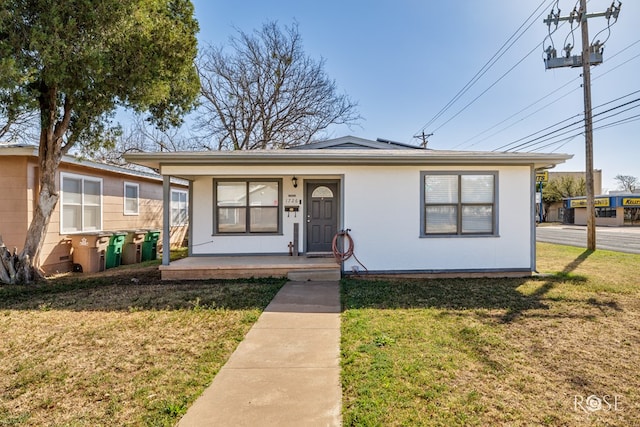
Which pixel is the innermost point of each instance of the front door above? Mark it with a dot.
(322, 215)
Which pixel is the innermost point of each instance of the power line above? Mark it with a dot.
(541, 139)
(514, 115)
(541, 99)
(565, 120)
(485, 68)
(620, 122)
(486, 90)
(617, 66)
(625, 121)
(565, 140)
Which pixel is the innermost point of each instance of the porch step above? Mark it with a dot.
(241, 267)
(322, 275)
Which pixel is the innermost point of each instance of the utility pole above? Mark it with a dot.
(591, 54)
(588, 128)
(423, 136)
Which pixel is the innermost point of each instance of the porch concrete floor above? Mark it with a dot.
(242, 267)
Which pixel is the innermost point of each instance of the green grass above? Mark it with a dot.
(124, 348)
(109, 350)
(495, 351)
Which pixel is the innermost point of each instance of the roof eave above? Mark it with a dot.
(304, 157)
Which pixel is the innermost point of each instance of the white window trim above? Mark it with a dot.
(64, 175)
(124, 198)
(186, 221)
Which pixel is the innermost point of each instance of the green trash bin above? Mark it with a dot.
(114, 250)
(150, 245)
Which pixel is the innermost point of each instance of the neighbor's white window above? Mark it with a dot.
(179, 207)
(81, 206)
(131, 198)
(459, 203)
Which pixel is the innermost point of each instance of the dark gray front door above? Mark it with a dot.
(322, 215)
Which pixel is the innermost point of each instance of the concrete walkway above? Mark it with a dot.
(286, 372)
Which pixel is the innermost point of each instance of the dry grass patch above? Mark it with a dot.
(511, 352)
(112, 351)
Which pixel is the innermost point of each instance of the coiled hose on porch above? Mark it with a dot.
(342, 255)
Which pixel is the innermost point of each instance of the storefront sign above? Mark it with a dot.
(631, 202)
(582, 203)
(542, 176)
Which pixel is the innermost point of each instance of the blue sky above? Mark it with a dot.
(402, 61)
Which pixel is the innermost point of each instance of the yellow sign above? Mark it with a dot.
(630, 202)
(600, 202)
(542, 176)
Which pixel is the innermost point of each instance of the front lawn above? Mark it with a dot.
(118, 348)
(556, 350)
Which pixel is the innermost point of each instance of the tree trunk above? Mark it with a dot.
(50, 153)
(47, 200)
(12, 269)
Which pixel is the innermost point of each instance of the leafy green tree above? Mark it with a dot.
(75, 61)
(562, 187)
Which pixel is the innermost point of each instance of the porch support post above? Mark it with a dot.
(166, 212)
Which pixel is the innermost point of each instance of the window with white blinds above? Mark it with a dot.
(80, 203)
(131, 198)
(457, 203)
(179, 208)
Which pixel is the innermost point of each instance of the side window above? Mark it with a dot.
(81, 203)
(458, 203)
(179, 208)
(131, 198)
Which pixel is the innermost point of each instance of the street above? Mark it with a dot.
(621, 239)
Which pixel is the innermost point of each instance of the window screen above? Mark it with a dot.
(457, 204)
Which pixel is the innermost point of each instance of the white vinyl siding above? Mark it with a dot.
(81, 203)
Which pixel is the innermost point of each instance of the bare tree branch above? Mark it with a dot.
(21, 128)
(627, 183)
(140, 136)
(267, 93)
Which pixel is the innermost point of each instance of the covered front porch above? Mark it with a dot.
(298, 268)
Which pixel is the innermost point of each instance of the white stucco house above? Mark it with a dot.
(409, 210)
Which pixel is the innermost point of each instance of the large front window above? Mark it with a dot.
(247, 206)
(81, 206)
(459, 203)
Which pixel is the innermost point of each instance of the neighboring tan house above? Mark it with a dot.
(94, 198)
(410, 210)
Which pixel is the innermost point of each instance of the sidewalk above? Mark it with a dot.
(286, 372)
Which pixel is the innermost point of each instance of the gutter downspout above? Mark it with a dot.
(166, 212)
